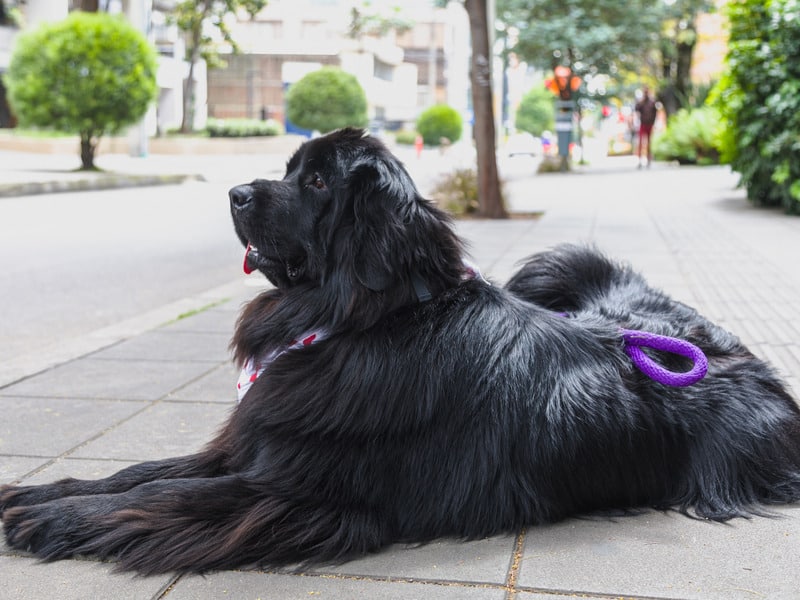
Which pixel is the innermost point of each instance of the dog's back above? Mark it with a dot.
(741, 425)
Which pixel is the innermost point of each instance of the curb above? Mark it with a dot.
(100, 182)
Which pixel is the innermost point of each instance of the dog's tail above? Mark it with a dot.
(567, 278)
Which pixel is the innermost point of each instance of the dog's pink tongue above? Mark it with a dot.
(245, 266)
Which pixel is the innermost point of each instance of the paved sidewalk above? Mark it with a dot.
(164, 392)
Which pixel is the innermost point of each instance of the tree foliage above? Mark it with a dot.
(194, 18)
(91, 74)
(327, 99)
(759, 97)
(536, 112)
(643, 41)
(367, 19)
(590, 36)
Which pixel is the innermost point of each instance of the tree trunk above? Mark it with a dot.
(88, 147)
(490, 199)
(683, 75)
(187, 120)
(193, 55)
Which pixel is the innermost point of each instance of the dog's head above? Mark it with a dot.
(346, 213)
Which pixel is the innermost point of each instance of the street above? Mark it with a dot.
(74, 263)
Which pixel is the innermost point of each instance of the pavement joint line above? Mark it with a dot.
(167, 588)
(516, 563)
(559, 593)
(453, 583)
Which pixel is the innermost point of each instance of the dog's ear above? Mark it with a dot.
(383, 206)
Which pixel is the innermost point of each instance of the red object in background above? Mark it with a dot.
(564, 82)
(418, 145)
(606, 111)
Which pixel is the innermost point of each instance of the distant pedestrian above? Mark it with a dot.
(647, 109)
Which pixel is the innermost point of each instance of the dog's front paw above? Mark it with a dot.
(35, 529)
(12, 496)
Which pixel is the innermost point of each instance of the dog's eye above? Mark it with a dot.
(316, 181)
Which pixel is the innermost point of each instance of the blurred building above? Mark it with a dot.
(402, 71)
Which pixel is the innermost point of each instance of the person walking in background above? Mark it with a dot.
(647, 109)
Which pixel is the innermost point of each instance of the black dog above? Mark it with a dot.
(397, 396)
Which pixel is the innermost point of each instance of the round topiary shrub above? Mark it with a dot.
(90, 74)
(440, 122)
(325, 100)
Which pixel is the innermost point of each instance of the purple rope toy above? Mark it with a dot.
(636, 340)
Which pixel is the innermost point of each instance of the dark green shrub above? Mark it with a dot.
(691, 137)
(91, 74)
(759, 98)
(243, 128)
(440, 122)
(325, 100)
(536, 113)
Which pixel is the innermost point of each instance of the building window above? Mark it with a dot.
(382, 70)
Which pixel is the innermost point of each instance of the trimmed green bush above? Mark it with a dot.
(243, 128)
(759, 98)
(440, 122)
(691, 137)
(405, 137)
(325, 100)
(536, 113)
(91, 74)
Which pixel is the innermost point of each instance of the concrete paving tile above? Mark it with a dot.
(667, 556)
(793, 383)
(92, 378)
(26, 579)
(776, 357)
(51, 426)
(13, 468)
(749, 332)
(243, 585)
(218, 385)
(778, 331)
(213, 320)
(163, 430)
(479, 561)
(163, 345)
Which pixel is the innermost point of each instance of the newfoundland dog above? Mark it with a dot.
(391, 394)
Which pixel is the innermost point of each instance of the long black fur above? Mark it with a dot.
(479, 411)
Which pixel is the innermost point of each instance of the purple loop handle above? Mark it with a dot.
(636, 340)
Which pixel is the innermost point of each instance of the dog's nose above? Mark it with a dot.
(241, 196)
